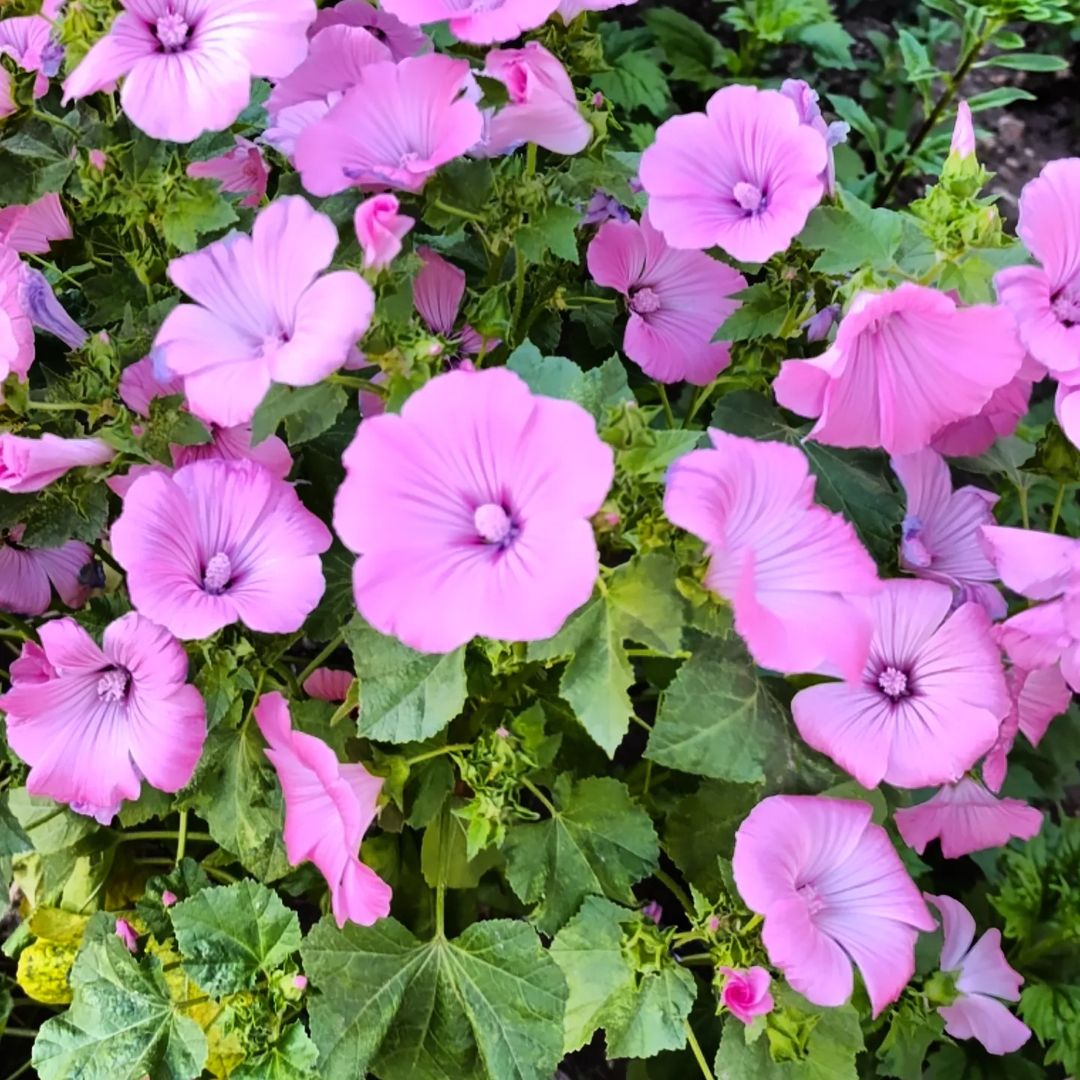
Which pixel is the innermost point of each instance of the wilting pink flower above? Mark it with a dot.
(241, 170)
(31, 464)
(604, 207)
(966, 817)
(45, 311)
(930, 700)
(438, 290)
(999, 417)
(393, 129)
(677, 300)
(806, 101)
(570, 9)
(189, 63)
(745, 994)
(652, 910)
(328, 684)
(16, 329)
(819, 324)
(743, 175)
(482, 525)
(31, 228)
(328, 808)
(263, 313)
(1046, 299)
(93, 723)
(904, 364)
(127, 935)
(219, 542)
(479, 22)
(28, 575)
(941, 532)
(833, 891)
(28, 40)
(543, 107)
(400, 39)
(380, 228)
(963, 136)
(788, 567)
(168, 898)
(983, 980)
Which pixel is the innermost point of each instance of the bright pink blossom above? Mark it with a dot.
(941, 532)
(265, 312)
(482, 525)
(983, 981)
(127, 935)
(31, 228)
(328, 684)
(393, 129)
(930, 700)
(189, 63)
(479, 22)
(241, 170)
(29, 575)
(677, 300)
(93, 723)
(28, 40)
(745, 994)
(999, 417)
(789, 567)
(438, 290)
(400, 39)
(963, 136)
(219, 542)
(31, 464)
(328, 808)
(16, 329)
(833, 892)
(570, 9)
(380, 228)
(904, 364)
(744, 175)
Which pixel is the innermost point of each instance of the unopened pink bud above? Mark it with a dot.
(98, 159)
(713, 924)
(652, 910)
(300, 982)
(168, 898)
(502, 732)
(125, 933)
(598, 100)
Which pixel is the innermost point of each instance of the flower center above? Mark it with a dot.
(893, 683)
(517, 83)
(1066, 305)
(113, 685)
(809, 895)
(172, 31)
(408, 159)
(217, 574)
(644, 301)
(493, 524)
(750, 197)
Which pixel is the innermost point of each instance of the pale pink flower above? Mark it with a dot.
(1046, 299)
(28, 40)
(983, 981)
(392, 129)
(16, 329)
(328, 808)
(805, 98)
(127, 935)
(300, 982)
(219, 542)
(744, 175)
(1045, 635)
(400, 39)
(966, 817)
(98, 159)
(31, 464)
(941, 531)
(29, 575)
(241, 170)
(904, 364)
(745, 994)
(328, 684)
(998, 418)
(93, 723)
(963, 136)
(168, 898)
(31, 228)
(570, 9)
(8, 106)
(265, 313)
(482, 525)
(930, 700)
(677, 300)
(380, 229)
(789, 568)
(1067, 405)
(833, 892)
(478, 22)
(188, 64)
(438, 290)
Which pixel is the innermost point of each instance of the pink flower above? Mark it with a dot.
(8, 106)
(28, 40)
(31, 228)
(31, 464)
(401, 40)
(127, 935)
(677, 300)
(543, 107)
(16, 329)
(999, 417)
(931, 698)
(482, 525)
(652, 910)
(45, 311)
(438, 290)
(1044, 636)
(1067, 405)
(983, 979)
(328, 684)
(966, 817)
(1046, 299)
(328, 808)
(963, 136)
(789, 567)
(806, 101)
(833, 892)
(300, 982)
(745, 994)
(98, 159)
(941, 533)
(240, 170)
(380, 228)
(570, 9)
(904, 364)
(743, 175)
(93, 723)
(28, 575)
(263, 313)
(219, 542)
(168, 898)
(189, 63)
(478, 22)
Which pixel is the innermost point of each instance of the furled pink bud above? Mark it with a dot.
(745, 994)
(125, 933)
(168, 898)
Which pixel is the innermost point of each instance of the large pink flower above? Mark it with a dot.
(219, 542)
(744, 175)
(1046, 299)
(482, 525)
(93, 723)
(677, 300)
(392, 129)
(438, 291)
(28, 575)
(941, 538)
(263, 313)
(189, 63)
(833, 891)
(328, 684)
(328, 808)
(16, 329)
(241, 170)
(31, 228)
(789, 567)
(400, 39)
(999, 417)
(983, 979)
(31, 464)
(904, 364)
(931, 698)
(479, 22)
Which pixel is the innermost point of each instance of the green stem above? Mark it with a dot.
(691, 1038)
(588, 300)
(27, 632)
(440, 910)
(37, 114)
(181, 837)
(221, 875)
(20, 1070)
(676, 890)
(661, 389)
(456, 211)
(166, 834)
(355, 383)
(58, 406)
(450, 748)
(330, 648)
(753, 924)
(1022, 498)
(21, 1033)
(1058, 503)
(540, 797)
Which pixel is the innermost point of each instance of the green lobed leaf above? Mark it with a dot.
(761, 313)
(553, 229)
(307, 411)
(853, 236)
(692, 53)
(635, 81)
(555, 376)
(902, 1053)
(293, 1057)
(193, 211)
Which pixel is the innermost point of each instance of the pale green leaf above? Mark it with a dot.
(293, 1057)
(553, 230)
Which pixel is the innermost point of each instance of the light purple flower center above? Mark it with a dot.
(644, 301)
(1066, 305)
(809, 896)
(172, 31)
(750, 197)
(217, 574)
(493, 524)
(893, 683)
(113, 685)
